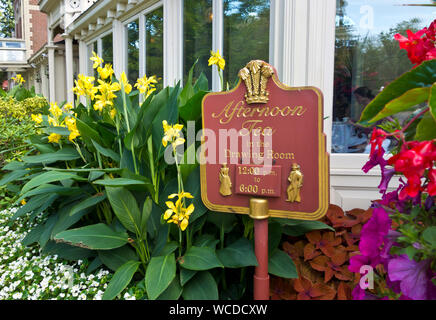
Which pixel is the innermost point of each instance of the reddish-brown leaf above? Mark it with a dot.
(334, 212)
(344, 274)
(344, 291)
(310, 252)
(320, 263)
(282, 289)
(340, 256)
(302, 284)
(321, 291)
(294, 250)
(314, 236)
(328, 274)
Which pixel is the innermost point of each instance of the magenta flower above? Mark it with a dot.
(375, 159)
(413, 276)
(357, 261)
(373, 233)
(387, 175)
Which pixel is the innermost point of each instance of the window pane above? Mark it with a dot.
(246, 35)
(107, 47)
(154, 44)
(367, 58)
(133, 51)
(91, 48)
(197, 37)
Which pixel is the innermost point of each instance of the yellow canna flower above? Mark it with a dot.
(23, 202)
(73, 135)
(105, 72)
(18, 79)
(216, 59)
(52, 121)
(67, 107)
(106, 96)
(54, 137)
(125, 82)
(181, 195)
(37, 118)
(172, 134)
(177, 213)
(146, 85)
(96, 59)
(55, 110)
(85, 86)
(113, 113)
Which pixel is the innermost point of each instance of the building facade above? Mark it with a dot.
(345, 48)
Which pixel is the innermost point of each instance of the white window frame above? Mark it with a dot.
(141, 17)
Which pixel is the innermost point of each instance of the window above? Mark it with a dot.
(246, 34)
(154, 45)
(133, 51)
(197, 37)
(107, 49)
(103, 47)
(367, 58)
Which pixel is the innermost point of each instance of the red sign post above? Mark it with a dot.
(264, 154)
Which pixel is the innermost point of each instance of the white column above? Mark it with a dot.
(142, 48)
(321, 55)
(173, 41)
(44, 84)
(83, 62)
(118, 46)
(69, 72)
(276, 33)
(217, 39)
(51, 73)
(51, 66)
(83, 57)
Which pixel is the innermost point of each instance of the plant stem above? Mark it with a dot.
(414, 118)
(126, 115)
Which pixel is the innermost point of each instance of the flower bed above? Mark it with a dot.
(27, 273)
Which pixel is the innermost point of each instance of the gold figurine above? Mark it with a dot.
(295, 184)
(225, 182)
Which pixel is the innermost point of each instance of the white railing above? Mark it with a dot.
(12, 51)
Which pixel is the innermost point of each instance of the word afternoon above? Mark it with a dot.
(240, 109)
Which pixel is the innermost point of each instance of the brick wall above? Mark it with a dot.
(38, 28)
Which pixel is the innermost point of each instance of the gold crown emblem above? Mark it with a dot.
(255, 75)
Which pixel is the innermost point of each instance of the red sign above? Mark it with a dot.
(276, 124)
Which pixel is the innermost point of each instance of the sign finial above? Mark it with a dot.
(255, 75)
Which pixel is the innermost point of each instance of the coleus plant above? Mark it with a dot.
(321, 258)
(399, 241)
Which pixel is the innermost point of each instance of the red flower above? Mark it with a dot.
(420, 45)
(431, 31)
(376, 141)
(412, 161)
(431, 187)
